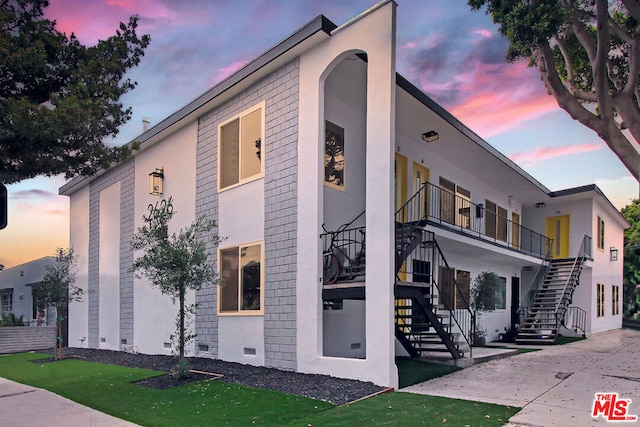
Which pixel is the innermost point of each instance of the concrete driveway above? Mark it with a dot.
(555, 386)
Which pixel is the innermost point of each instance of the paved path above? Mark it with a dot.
(22, 405)
(555, 386)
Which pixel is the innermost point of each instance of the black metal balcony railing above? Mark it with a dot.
(440, 206)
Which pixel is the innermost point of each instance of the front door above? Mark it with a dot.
(401, 182)
(558, 230)
(515, 301)
(421, 205)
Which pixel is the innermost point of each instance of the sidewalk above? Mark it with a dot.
(555, 386)
(22, 405)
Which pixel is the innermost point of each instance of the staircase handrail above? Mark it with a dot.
(458, 292)
(413, 210)
(533, 289)
(581, 257)
(468, 338)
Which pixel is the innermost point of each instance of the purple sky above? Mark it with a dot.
(454, 54)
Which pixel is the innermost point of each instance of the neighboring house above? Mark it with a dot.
(16, 285)
(316, 133)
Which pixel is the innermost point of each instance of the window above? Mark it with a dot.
(240, 288)
(615, 300)
(600, 233)
(455, 204)
(600, 298)
(6, 299)
(463, 278)
(240, 148)
(334, 156)
(501, 294)
(448, 278)
(495, 221)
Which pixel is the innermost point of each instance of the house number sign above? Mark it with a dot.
(160, 206)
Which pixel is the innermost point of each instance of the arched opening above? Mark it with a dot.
(344, 201)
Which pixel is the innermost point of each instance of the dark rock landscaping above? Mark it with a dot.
(323, 387)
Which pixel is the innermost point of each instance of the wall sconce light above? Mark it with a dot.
(613, 254)
(155, 182)
(540, 205)
(430, 136)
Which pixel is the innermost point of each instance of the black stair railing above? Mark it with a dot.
(440, 206)
(425, 263)
(575, 318)
(572, 280)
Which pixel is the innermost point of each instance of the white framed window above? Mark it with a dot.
(600, 300)
(6, 301)
(241, 148)
(240, 290)
(615, 300)
(600, 233)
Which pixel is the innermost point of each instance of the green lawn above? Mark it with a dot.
(412, 371)
(108, 388)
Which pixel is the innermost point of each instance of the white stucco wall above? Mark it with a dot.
(606, 271)
(79, 239)
(109, 267)
(375, 35)
(241, 339)
(241, 221)
(154, 313)
(345, 330)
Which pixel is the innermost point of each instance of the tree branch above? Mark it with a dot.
(633, 7)
(607, 130)
(619, 31)
(601, 63)
(634, 66)
(578, 28)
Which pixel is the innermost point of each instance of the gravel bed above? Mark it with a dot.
(323, 387)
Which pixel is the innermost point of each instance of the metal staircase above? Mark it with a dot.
(550, 301)
(430, 315)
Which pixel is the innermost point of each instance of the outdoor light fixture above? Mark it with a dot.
(430, 136)
(613, 253)
(540, 205)
(155, 182)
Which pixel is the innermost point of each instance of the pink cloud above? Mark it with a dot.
(499, 97)
(225, 72)
(93, 21)
(531, 157)
(483, 33)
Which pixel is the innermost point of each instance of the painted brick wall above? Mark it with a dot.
(280, 226)
(280, 93)
(125, 174)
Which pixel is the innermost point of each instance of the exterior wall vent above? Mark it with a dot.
(249, 351)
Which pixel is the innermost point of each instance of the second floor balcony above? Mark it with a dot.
(440, 207)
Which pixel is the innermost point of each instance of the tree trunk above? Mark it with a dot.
(181, 337)
(58, 351)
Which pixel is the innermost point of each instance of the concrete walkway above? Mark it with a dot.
(555, 386)
(22, 405)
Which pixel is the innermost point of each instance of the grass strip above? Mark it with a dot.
(412, 371)
(108, 389)
(406, 409)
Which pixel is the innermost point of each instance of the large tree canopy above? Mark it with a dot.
(631, 293)
(59, 100)
(588, 55)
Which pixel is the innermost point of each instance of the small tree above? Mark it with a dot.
(57, 289)
(175, 263)
(484, 297)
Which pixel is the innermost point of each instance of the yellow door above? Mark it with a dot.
(558, 230)
(515, 230)
(401, 182)
(421, 206)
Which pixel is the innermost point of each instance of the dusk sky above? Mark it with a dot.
(454, 54)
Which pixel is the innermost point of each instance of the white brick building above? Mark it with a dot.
(320, 131)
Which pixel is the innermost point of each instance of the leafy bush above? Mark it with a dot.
(11, 320)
